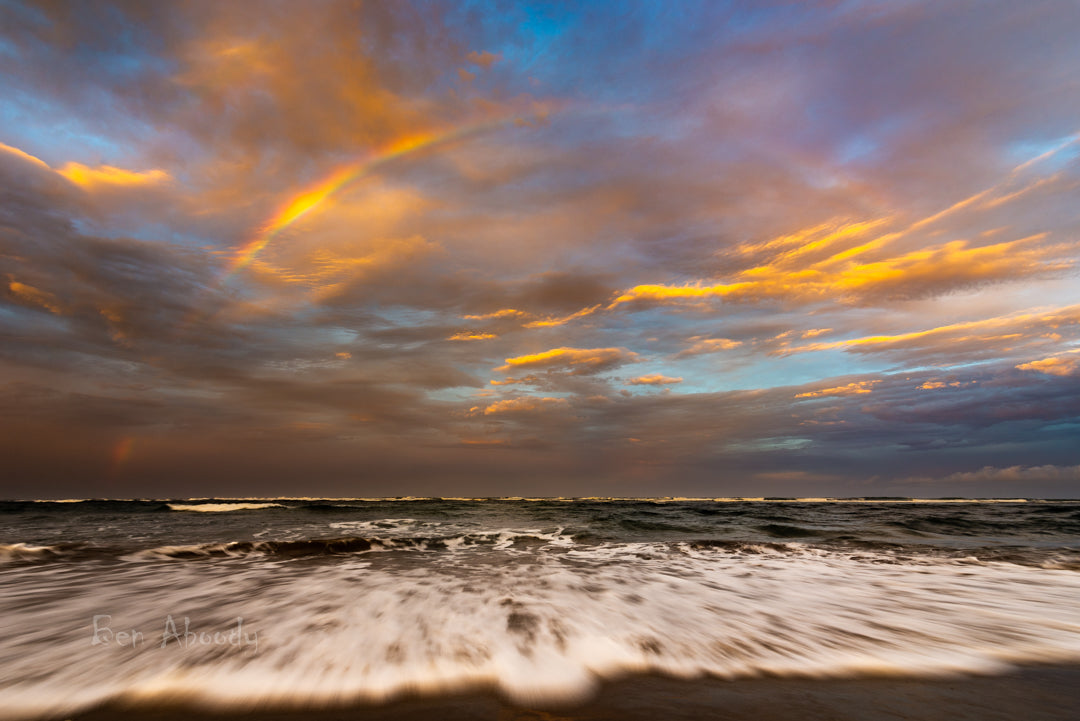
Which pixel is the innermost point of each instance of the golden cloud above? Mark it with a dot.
(702, 345)
(556, 320)
(483, 59)
(470, 335)
(846, 277)
(653, 379)
(538, 321)
(108, 176)
(504, 313)
(1014, 328)
(522, 405)
(24, 156)
(851, 389)
(579, 361)
(1055, 365)
(833, 261)
(30, 294)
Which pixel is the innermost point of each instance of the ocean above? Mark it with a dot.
(298, 603)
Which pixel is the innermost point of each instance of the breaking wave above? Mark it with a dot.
(543, 624)
(221, 507)
(27, 552)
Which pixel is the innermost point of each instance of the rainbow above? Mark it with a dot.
(120, 453)
(308, 200)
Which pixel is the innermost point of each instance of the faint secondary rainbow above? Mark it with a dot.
(308, 200)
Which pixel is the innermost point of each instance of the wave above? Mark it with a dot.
(236, 549)
(330, 507)
(534, 629)
(631, 524)
(497, 540)
(221, 507)
(956, 525)
(28, 552)
(781, 530)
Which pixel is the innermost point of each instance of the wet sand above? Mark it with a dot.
(1031, 694)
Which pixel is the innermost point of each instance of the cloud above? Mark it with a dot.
(576, 361)
(653, 379)
(470, 335)
(503, 313)
(701, 345)
(483, 59)
(934, 385)
(1057, 365)
(513, 406)
(555, 321)
(24, 156)
(108, 176)
(1012, 474)
(35, 296)
(850, 389)
(89, 178)
(820, 211)
(849, 276)
(963, 341)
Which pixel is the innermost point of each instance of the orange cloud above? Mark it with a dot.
(529, 379)
(493, 442)
(814, 332)
(24, 156)
(30, 294)
(556, 320)
(847, 277)
(483, 59)
(116, 324)
(670, 295)
(539, 322)
(708, 345)
(107, 175)
(851, 389)
(831, 262)
(1009, 327)
(1055, 366)
(469, 335)
(653, 379)
(522, 405)
(938, 385)
(319, 275)
(248, 70)
(504, 313)
(579, 361)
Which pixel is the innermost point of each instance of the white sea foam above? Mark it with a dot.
(382, 525)
(400, 534)
(25, 551)
(222, 507)
(535, 625)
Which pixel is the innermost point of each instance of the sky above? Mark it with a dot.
(482, 248)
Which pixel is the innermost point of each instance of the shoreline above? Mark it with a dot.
(565, 499)
(1033, 693)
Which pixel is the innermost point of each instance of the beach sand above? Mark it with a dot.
(1030, 694)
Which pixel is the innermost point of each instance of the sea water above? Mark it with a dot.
(289, 602)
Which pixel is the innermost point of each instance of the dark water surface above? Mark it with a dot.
(284, 603)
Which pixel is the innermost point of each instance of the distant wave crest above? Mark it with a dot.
(221, 507)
